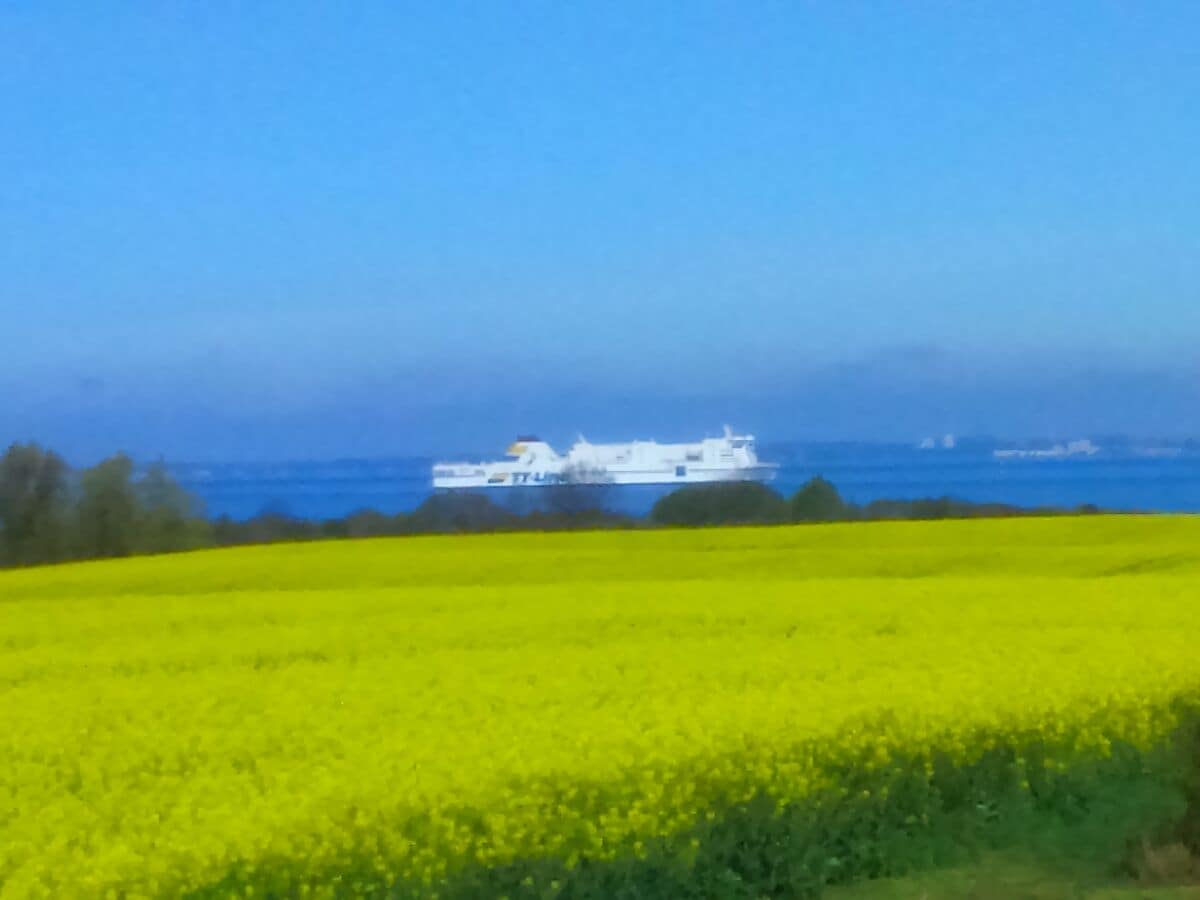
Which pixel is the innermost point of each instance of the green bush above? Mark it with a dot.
(819, 501)
(721, 503)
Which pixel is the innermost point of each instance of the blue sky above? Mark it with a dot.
(321, 230)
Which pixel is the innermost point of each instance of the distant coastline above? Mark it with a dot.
(119, 507)
(52, 513)
(1120, 476)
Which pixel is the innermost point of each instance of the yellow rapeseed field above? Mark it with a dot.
(332, 718)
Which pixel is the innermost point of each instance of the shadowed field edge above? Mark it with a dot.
(863, 819)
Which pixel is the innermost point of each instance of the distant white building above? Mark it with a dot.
(947, 443)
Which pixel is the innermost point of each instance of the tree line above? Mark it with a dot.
(49, 513)
(741, 502)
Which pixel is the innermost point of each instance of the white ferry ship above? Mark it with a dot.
(534, 463)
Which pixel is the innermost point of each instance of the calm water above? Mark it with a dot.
(861, 472)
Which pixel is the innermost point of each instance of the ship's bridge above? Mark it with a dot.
(528, 449)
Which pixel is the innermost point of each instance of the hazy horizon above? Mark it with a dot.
(893, 398)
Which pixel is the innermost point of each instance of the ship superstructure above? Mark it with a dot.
(533, 463)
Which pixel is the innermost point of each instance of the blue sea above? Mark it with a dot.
(861, 472)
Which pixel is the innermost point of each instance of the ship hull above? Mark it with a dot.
(500, 480)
